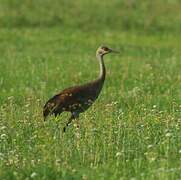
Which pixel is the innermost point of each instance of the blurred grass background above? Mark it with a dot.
(148, 16)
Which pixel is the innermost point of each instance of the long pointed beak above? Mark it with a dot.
(114, 51)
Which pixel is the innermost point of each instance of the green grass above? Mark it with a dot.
(133, 131)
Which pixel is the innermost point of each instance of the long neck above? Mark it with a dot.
(102, 73)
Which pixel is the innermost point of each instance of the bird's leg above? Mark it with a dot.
(76, 115)
(73, 116)
(77, 132)
(69, 121)
(77, 124)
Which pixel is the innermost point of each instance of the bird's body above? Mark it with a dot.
(79, 98)
(75, 99)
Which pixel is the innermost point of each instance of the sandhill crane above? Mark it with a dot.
(78, 99)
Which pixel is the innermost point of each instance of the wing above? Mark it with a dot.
(72, 98)
(60, 102)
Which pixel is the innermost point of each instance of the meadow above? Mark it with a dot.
(133, 131)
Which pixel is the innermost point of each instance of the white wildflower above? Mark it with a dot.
(3, 127)
(3, 136)
(33, 175)
(149, 146)
(168, 134)
(154, 106)
(118, 154)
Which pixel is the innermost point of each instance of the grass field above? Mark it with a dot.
(133, 131)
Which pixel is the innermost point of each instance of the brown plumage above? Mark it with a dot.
(79, 98)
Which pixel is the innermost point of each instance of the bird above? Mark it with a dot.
(79, 98)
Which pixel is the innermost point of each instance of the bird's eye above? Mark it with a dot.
(105, 48)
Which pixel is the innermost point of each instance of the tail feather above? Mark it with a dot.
(50, 107)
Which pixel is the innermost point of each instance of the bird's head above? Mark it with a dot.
(102, 50)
